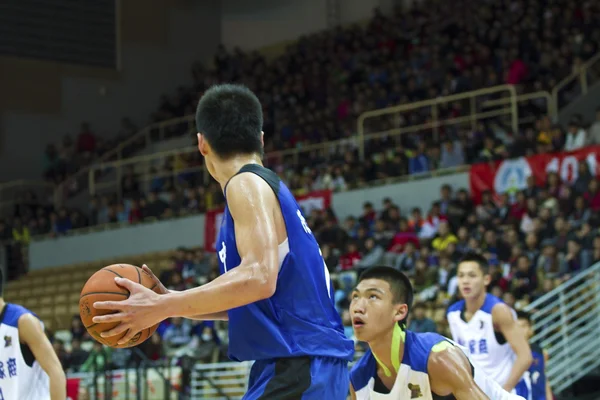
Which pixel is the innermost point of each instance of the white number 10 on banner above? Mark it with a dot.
(568, 167)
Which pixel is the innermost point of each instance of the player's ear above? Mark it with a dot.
(262, 138)
(487, 279)
(203, 146)
(400, 312)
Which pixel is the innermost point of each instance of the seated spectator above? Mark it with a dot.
(350, 259)
(576, 136)
(78, 356)
(177, 338)
(419, 322)
(444, 237)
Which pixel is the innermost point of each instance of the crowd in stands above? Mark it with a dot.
(169, 196)
(317, 88)
(315, 91)
(533, 240)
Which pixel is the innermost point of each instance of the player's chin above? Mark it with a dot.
(361, 333)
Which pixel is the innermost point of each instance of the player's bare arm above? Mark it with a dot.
(32, 334)
(254, 207)
(450, 372)
(548, 387)
(506, 324)
(352, 393)
(220, 316)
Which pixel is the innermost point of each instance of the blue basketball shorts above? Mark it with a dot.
(302, 378)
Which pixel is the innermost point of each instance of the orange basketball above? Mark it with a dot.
(102, 287)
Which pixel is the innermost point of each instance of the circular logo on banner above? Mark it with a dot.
(512, 175)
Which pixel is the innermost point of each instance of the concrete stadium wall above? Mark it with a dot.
(189, 231)
(42, 101)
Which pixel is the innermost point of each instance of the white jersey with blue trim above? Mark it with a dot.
(412, 380)
(488, 348)
(21, 377)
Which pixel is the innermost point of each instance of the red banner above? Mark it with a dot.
(319, 200)
(73, 388)
(510, 176)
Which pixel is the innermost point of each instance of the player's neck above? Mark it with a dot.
(473, 305)
(383, 348)
(2, 303)
(226, 169)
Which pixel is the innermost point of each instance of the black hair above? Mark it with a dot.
(230, 118)
(476, 258)
(400, 285)
(524, 315)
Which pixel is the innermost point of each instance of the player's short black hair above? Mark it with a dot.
(230, 118)
(399, 283)
(476, 258)
(524, 315)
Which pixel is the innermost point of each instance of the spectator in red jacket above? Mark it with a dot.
(349, 259)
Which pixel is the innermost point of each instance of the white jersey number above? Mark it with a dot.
(308, 231)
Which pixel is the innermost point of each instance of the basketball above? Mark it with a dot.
(102, 287)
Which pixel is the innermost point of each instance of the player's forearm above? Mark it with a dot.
(521, 365)
(218, 316)
(549, 395)
(242, 285)
(58, 385)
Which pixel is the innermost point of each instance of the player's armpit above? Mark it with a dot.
(505, 322)
(32, 334)
(450, 372)
(352, 393)
(254, 207)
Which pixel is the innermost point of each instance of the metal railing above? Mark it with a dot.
(502, 103)
(223, 381)
(432, 108)
(583, 75)
(567, 325)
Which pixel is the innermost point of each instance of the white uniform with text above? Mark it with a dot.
(21, 377)
(485, 346)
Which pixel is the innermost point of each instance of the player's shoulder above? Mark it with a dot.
(456, 307)
(363, 370)
(252, 177)
(419, 346)
(492, 303)
(12, 314)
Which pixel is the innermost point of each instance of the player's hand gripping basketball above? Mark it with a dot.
(141, 310)
(159, 285)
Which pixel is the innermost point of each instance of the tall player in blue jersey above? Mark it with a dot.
(274, 288)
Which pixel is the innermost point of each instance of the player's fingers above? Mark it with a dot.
(106, 319)
(127, 337)
(148, 270)
(118, 330)
(108, 305)
(126, 283)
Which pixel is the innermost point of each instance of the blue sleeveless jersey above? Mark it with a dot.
(417, 347)
(537, 374)
(300, 319)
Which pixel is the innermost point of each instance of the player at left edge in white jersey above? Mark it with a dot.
(29, 367)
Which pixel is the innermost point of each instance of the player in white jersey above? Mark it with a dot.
(488, 329)
(29, 367)
(401, 364)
